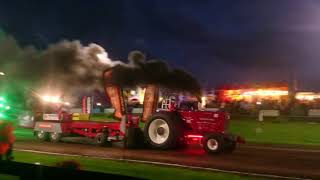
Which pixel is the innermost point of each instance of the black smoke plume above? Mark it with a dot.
(68, 68)
(141, 72)
(65, 68)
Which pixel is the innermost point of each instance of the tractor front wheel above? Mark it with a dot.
(213, 144)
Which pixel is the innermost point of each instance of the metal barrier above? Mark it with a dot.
(268, 113)
(314, 113)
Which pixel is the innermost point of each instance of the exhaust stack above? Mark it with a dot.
(150, 102)
(115, 95)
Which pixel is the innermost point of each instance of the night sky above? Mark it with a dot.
(217, 41)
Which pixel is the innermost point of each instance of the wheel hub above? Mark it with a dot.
(212, 144)
(54, 136)
(160, 131)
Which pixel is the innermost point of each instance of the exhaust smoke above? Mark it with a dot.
(153, 74)
(141, 72)
(66, 68)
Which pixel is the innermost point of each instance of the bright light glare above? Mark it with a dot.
(309, 96)
(46, 98)
(52, 99)
(203, 101)
(1, 99)
(55, 99)
(98, 104)
(1, 105)
(1, 115)
(133, 92)
(261, 92)
(7, 107)
(2, 74)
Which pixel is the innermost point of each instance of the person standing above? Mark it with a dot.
(6, 140)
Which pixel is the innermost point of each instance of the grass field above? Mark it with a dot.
(127, 168)
(277, 132)
(8, 177)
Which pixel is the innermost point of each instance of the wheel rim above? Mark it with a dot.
(54, 136)
(40, 134)
(212, 144)
(159, 131)
(99, 139)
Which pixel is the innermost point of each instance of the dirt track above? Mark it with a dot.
(292, 162)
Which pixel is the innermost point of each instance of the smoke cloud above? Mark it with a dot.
(138, 71)
(68, 68)
(65, 68)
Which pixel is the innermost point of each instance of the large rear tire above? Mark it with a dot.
(163, 130)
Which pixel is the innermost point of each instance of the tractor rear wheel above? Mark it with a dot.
(163, 130)
(213, 144)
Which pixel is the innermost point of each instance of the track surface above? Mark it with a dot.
(283, 161)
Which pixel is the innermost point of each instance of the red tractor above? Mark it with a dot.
(188, 125)
(169, 127)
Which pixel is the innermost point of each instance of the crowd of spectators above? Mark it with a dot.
(296, 107)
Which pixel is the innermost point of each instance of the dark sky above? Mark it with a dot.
(218, 41)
